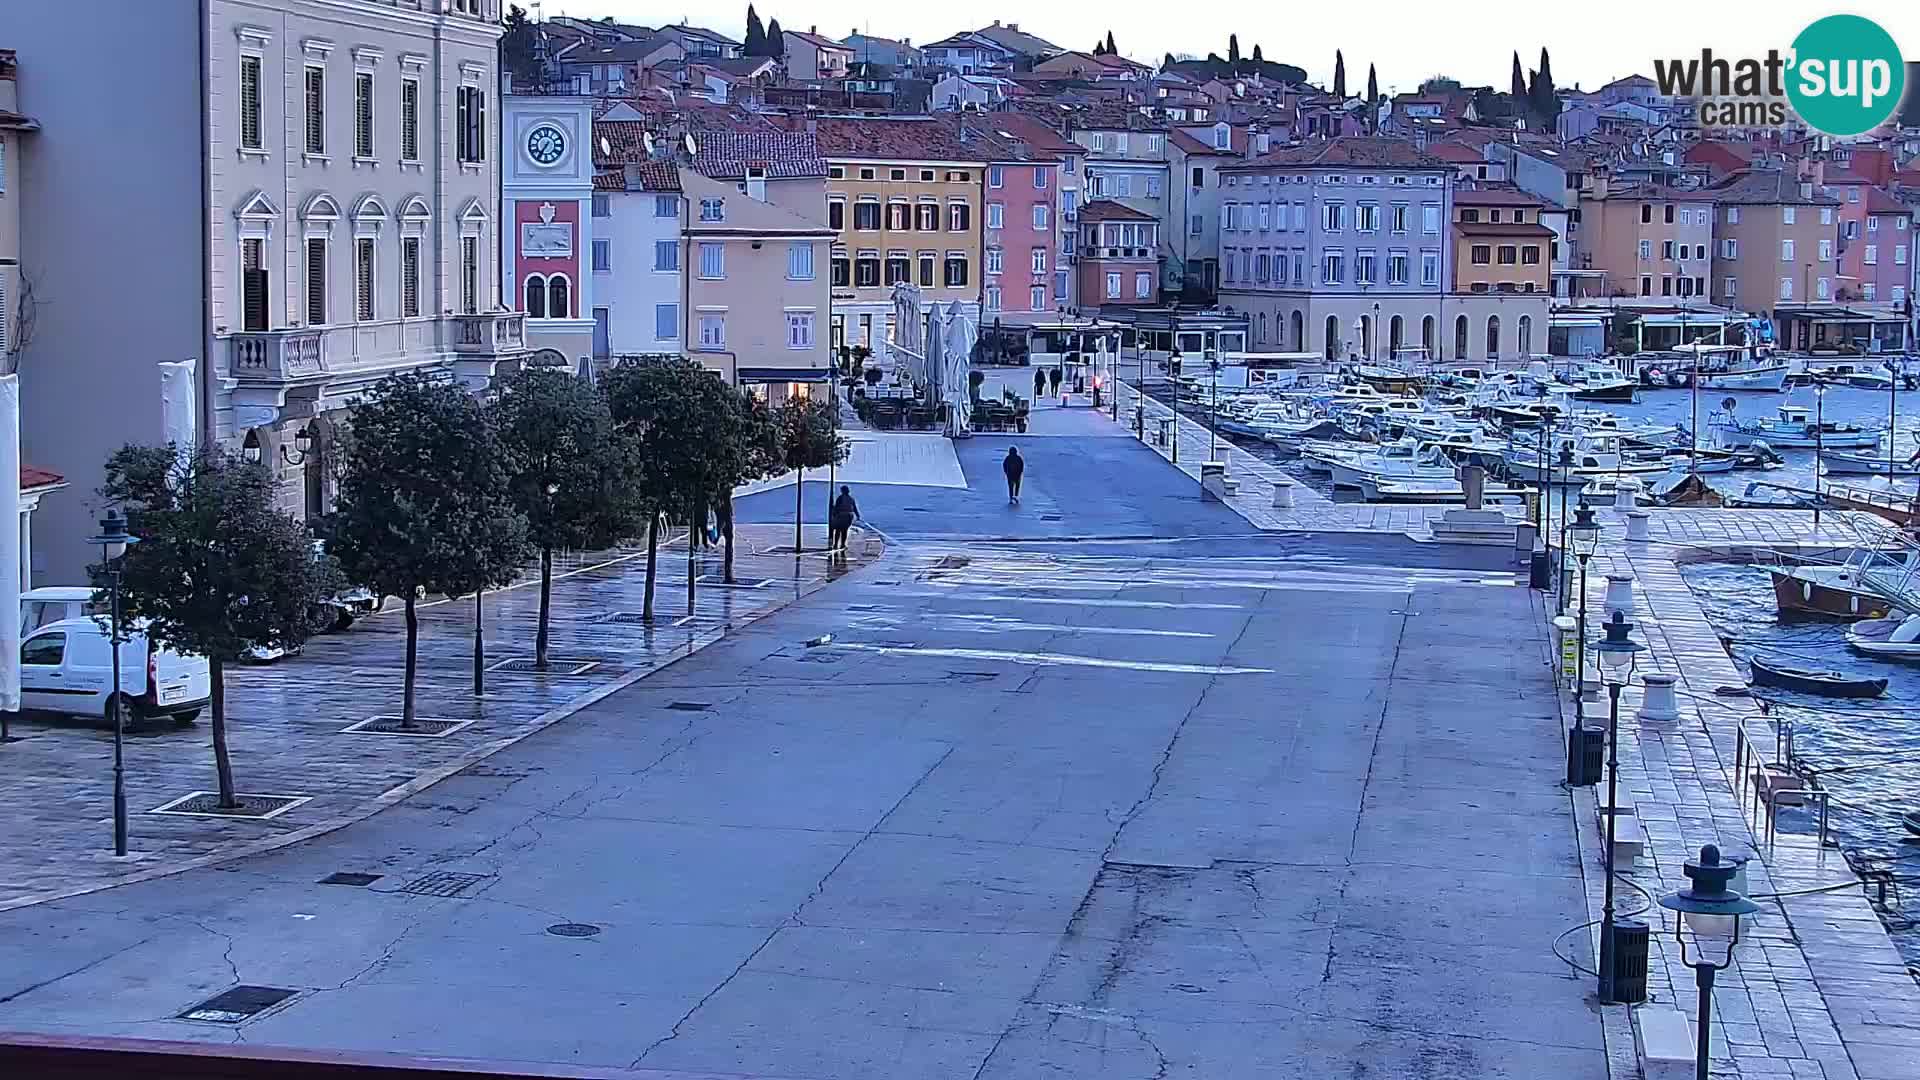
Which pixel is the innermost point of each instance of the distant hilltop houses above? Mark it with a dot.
(468, 190)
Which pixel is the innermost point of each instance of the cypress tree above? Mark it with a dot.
(756, 43)
(1110, 49)
(1519, 90)
(1233, 48)
(1339, 75)
(1373, 101)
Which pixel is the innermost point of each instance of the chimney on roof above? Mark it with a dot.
(996, 22)
(1013, 26)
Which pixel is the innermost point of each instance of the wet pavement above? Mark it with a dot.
(1140, 792)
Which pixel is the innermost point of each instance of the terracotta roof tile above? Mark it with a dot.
(1349, 152)
(1494, 196)
(1879, 202)
(31, 477)
(785, 155)
(896, 139)
(1503, 228)
(1765, 187)
(1108, 210)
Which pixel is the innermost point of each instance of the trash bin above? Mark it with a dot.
(1630, 939)
(1586, 755)
(1165, 432)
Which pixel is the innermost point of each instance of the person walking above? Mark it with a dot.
(840, 521)
(1054, 378)
(1039, 384)
(1014, 466)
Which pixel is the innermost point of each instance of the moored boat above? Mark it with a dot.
(1892, 638)
(1835, 592)
(1781, 676)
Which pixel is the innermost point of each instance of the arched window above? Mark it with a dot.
(1460, 338)
(557, 306)
(1493, 337)
(1396, 331)
(1332, 346)
(536, 296)
(1526, 336)
(1426, 337)
(1366, 337)
(1262, 334)
(1298, 323)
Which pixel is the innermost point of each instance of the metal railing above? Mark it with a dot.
(1781, 781)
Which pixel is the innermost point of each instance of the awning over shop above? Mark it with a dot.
(780, 375)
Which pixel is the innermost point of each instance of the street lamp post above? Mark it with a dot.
(1585, 537)
(1617, 653)
(1213, 426)
(1893, 401)
(114, 541)
(1713, 911)
(1819, 445)
(1565, 460)
(1173, 374)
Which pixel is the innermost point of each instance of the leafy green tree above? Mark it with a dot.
(568, 471)
(218, 567)
(756, 43)
(654, 406)
(1519, 78)
(1257, 58)
(424, 504)
(776, 41)
(1542, 98)
(1339, 75)
(809, 439)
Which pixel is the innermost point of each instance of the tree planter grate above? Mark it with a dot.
(719, 581)
(238, 1004)
(443, 883)
(624, 617)
(255, 807)
(690, 706)
(346, 877)
(573, 929)
(424, 727)
(556, 665)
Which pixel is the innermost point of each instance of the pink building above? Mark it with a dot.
(1850, 225)
(1886, 250)
(1021, 233)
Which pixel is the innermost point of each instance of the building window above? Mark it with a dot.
(1368, 216)
(250, 137)
(1363, 267)
(363, 115)
(1482, 255)
(1142, 284)
(1493, 337)
(1429, 268)
(1646, 250)
(958, 217)
(1037, 298)
(409, 120)
(316, 282)
(956, 275)
(602, 205)
(1786, 251)
(800, 261)
(1732, 287)
(713, 260)
(866, 270)
(713, 331)
(1666, 250)
(926, 270)
(1868, 291)
(1397, 218)
(996, 176)
(1508, 255)
(470, 114)
(470, 275)
(1198, 225)
(602, 256)
(1113, 285)
(1333, 217)
(1333, 268)
(1396, 268)
(900, 269)
(536, 296)
(993, 298)
(1786, 215)
(410, 277)
(1820, 287)
(363, 279)
(1786, 288)
(866, 215)
(799, 329)
(995, 217)
(713, 210)
(899, 216)
(316, 110)
(253, 289)
(1530, 255)
(1826, 251)
(666, 321)
(1469, 214)
(1039, 178)
(1040, 215)
(666, 255)
(1733, 215)
(837, 215)
(1430, 219)
(1646, 213)
(841, 269)
(666, 206)
(1039, 260)
(994, 260)
(1871, 256)
(927, 217)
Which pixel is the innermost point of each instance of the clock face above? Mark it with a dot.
(545, 144)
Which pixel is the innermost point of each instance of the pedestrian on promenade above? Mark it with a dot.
(1054, 378)
(840, 521)
(1039, 384)
(1013, 466)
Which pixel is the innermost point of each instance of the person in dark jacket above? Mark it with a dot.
(840, 521)
(1039, 384)
(1054, 378)
(1014, 465)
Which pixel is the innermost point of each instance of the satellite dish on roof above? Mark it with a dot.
(606, 148)
(687, 140)
(646, 140)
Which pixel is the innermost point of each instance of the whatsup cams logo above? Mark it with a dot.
(1842, 76)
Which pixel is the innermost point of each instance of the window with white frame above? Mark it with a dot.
(363, 114)
(1142, 284)
(1397, 218)
(1430, 219)
(996, 215)
(1826, 250)
(1333, 217)
(993, 298)
(1040, 178)
(1038, 262)
(602, 256)
(713, 260)
(996, 261)
(1786, 250)
(1646, 249)
(1898, 294)
(1429, 268)
(1730, 248)
(665, 206)
(1870, 254)
(1867, 291)
(1396, 267)
(1198, 225)
(996, 176)
(250, 134)
(799, 329)
(253, 288)
(1363, 261)
(1899, 254)
(1040, 215)
(410, 120)
(1733, 215)
(470, 116)
(1731, 286)
(666, 255)
(1333, 268)
(1786, 215)
(316, 142)
(1820, 287)
(602, 204)
(1826, 215)
(1262, 217)
(470, 275)
(1786, 288)
(316, 281)
(713, 330)
(1037, 298)
(363, 279)
(1113, 285)
(1368, 217)
(409, 277)
(800, 261)
(713, 210)
(666, 322)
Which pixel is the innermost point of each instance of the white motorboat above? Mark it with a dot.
(1793, 428)
(1868, 464)
(1890, 638)
(1734, 367)
(1405, 459)
(1598, 382)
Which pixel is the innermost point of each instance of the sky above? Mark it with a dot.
(1409, 40)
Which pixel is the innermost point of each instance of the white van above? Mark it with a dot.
(51, 604)
(67, 667)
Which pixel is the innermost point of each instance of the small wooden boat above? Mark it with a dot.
(1781, 676)
(1911, 819)
(1832, 591)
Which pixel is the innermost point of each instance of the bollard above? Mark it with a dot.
(1619, 595)
(1659, 704)
(1637, 525)
(1282, 494)
(1626, 495)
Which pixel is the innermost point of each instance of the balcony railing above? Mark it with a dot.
(306, 353)
(277, 355)
(494, 332)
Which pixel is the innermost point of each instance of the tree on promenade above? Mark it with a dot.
(218, 567)
(424, 505)
(809, 439)
(657, 407)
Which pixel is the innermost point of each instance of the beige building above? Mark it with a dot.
(758, 296)
(1774, 235)
(810, 56)
(1649, 240)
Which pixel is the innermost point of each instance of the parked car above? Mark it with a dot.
(52, 604)
(67, 667)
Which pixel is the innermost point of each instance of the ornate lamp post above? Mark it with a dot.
(1173, 373)
(1819, 446)
(1713, 912)
(1565, 462)
(114, 541)
(1617, 653)
(1584, 535)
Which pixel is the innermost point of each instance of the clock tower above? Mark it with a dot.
(546, 194)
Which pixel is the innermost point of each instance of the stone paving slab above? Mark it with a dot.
(1792, 1005)
(285, 721)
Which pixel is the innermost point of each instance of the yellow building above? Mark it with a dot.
(904, 201)
(1499, 243)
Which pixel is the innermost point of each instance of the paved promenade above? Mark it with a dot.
(1139, 792)
(286, 722)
